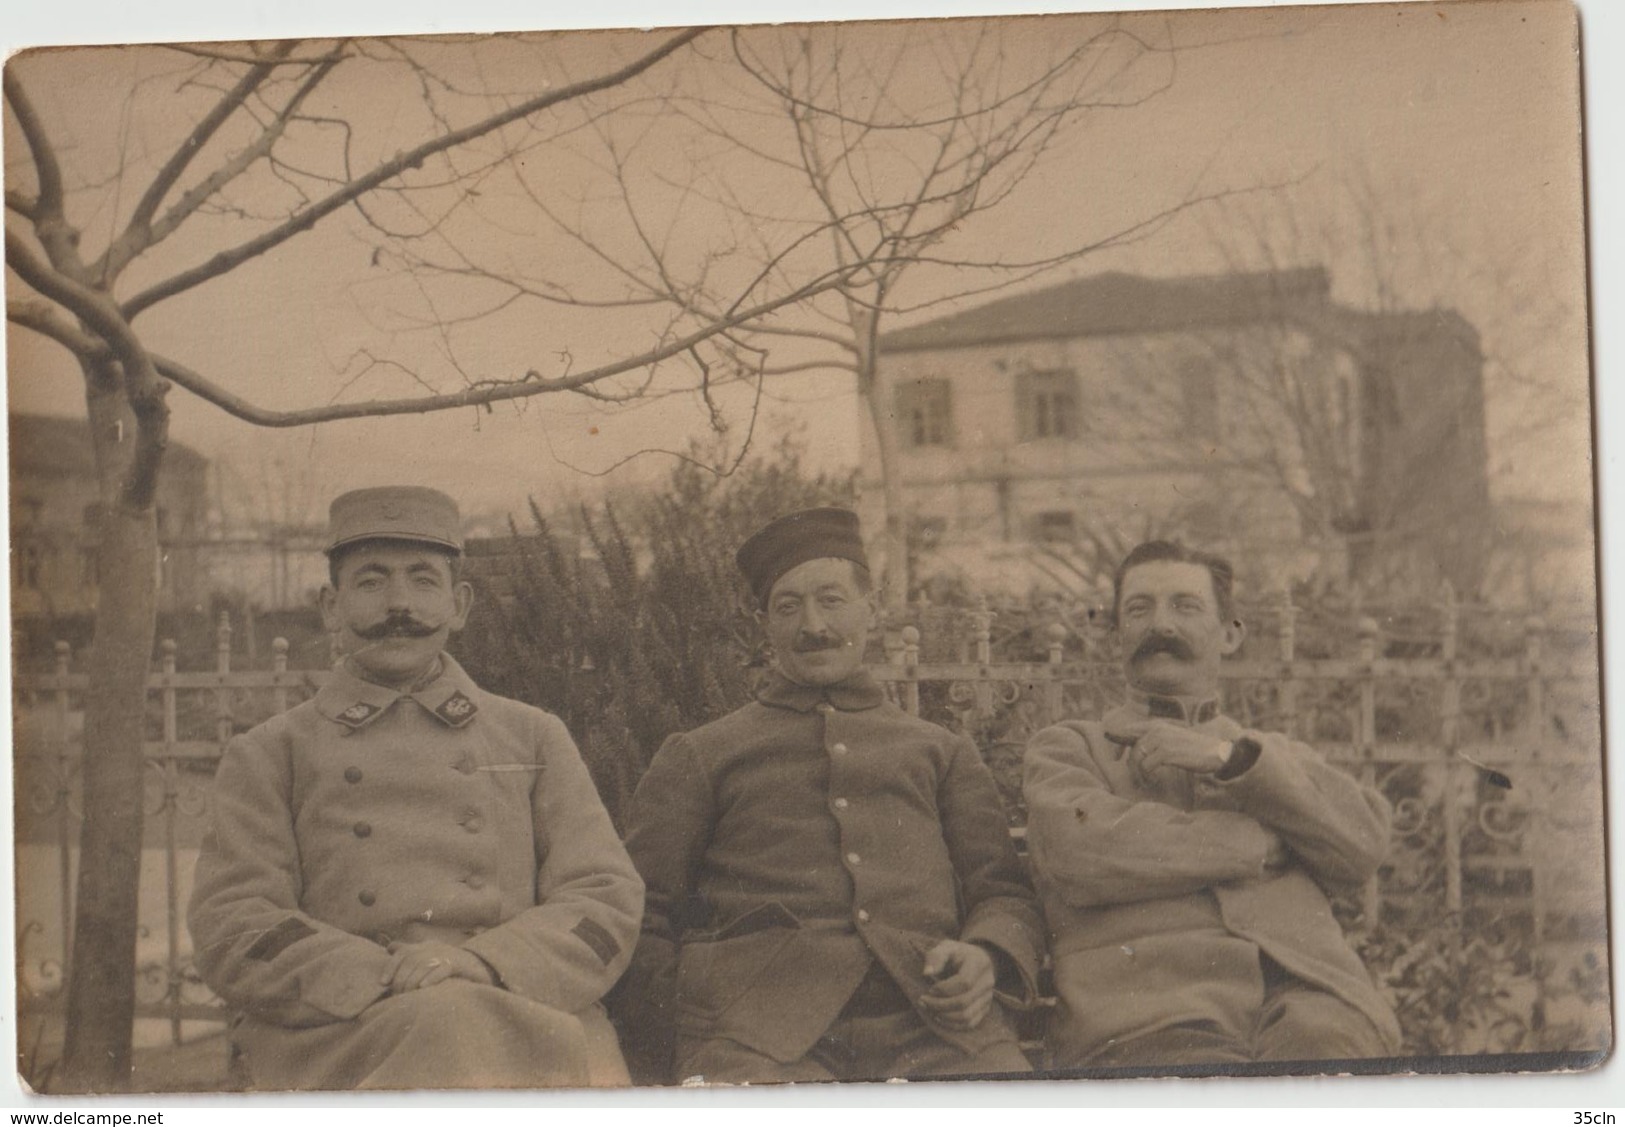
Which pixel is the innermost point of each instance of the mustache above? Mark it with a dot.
(1164, 644)
(400, 625)
(814, 643)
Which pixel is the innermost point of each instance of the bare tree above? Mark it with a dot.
(902, 153)
(868, 154)
(238, 153)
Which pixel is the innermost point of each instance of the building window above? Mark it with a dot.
(1047, 403)
(925, 412)
(1055, 527)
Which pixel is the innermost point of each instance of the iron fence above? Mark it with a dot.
(1486, 927)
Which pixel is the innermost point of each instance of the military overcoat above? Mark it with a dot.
(366, 816)
(1160, 890)
(792, 844)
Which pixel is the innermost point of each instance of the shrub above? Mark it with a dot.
(630, 625)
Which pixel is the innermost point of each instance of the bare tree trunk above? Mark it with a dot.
(895, 533)
(876, 393)
(101, 978)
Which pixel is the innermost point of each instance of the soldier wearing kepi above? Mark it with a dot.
(1184, 861)
(832, 889)
(408, 882)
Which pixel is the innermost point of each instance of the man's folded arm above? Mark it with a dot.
(1097, 848)
(1335, 824)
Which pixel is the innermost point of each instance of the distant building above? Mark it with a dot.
(56, 508)
(1247, 411)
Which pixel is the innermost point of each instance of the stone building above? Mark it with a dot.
(55, 512)
(1246, 411)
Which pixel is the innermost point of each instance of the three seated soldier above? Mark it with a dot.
(411, 883)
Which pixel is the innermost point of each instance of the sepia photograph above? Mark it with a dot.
(1051, 547)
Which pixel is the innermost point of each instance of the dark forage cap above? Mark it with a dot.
(789, 541)
(394, 512)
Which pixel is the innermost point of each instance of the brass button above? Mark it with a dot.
(352, 774)
(854, 859)
(466, 765)
(863, 915)
(473, 824)
(841, 804)
(839, 749)
(825, 706)
(476, 882)
(362, 829)
(367, 897)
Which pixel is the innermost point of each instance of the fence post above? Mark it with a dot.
(169, 772)
(911, 670)
(64, 795)
(279, 666)
(222, 666)
(1366, 742)
(1450, 736)
(1288, 639)
(1054, 689)
(1534, 628)
(982, 621)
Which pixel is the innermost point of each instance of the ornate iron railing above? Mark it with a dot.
(1487, 926)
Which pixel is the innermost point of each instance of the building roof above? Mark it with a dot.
(57, 444)
(1114, 302)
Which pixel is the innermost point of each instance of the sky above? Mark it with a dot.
(1457, 120)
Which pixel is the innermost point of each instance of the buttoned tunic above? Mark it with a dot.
(792, 844)
(365, 816)
(1158, 888)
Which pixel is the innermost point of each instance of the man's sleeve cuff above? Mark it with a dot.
(1244, 752)
(1008, 983)
(1015, 952)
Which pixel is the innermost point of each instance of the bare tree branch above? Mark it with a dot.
(136, 236)
(37, 315)
(46, 168)
(50, 222)
(24, 205)
(308, 217)
(224, 54)
(142, 385)
(475, 396)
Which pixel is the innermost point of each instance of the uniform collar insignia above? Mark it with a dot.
(456, 710)
(357, 714)
(450, 696)
(857, 693)
(347, 699)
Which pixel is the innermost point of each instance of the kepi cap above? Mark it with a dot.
(394, 512)
(792, 540)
